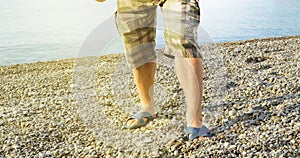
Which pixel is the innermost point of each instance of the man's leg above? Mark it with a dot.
(181, 23)
(144, 80)
(136, 21)
(189, 72)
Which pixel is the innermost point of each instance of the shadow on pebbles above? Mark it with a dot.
(78, 107)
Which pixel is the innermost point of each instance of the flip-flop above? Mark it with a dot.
(139, 117)
(192, 132)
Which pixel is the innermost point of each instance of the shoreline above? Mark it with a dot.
(224, 43)
(76, 107)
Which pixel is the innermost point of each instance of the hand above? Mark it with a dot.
(100, 0)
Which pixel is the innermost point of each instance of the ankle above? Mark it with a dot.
(195, 124)
(148, 108)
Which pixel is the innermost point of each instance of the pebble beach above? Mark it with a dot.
(77, 107)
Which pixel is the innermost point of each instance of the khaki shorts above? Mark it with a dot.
(136, 23)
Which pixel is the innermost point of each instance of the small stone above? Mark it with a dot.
(226, 144)
(42, 155)
(148, 140)
(176, 153)
(232, 113)
(76, 86)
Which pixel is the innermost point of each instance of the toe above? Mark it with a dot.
(200, 139)
(132, 122)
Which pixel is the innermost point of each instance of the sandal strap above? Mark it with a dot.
(197, 132)
(140, 116)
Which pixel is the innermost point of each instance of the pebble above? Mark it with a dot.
(148, 140)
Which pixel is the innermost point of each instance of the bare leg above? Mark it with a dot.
(144, 80)
(189, 72)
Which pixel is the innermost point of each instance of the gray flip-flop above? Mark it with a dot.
(139, 117)
(192, 132)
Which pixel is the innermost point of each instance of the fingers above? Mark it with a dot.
(100, 1)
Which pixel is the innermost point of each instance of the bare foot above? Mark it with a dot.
(204, 135)
(132, 121)
(200, 139)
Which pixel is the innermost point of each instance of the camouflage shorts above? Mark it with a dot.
(136, 23)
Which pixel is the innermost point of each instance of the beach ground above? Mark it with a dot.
(77, 107)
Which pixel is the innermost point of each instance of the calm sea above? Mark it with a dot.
(34, 30)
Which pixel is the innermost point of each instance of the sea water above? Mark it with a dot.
(33, 30)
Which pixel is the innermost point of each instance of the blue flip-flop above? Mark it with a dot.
(192, 132)
(139, 117)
